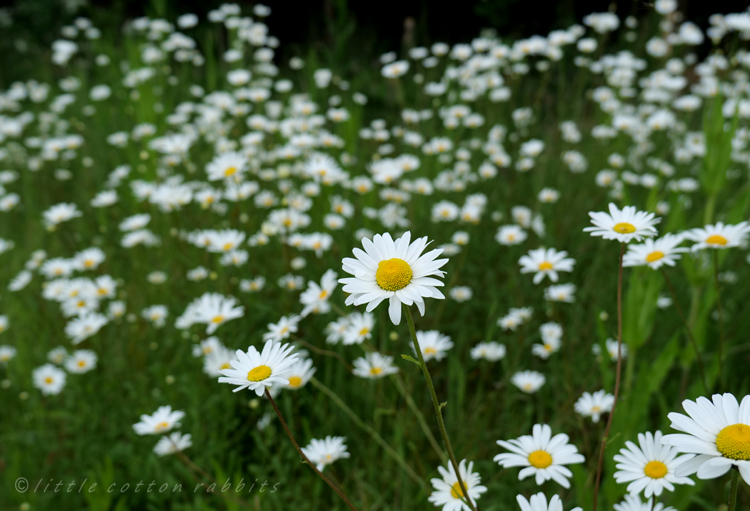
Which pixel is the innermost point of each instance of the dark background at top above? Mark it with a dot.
(337, 30)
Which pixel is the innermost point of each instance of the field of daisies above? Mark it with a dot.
(498, 275)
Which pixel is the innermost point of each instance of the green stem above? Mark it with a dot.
(733, 489)
(720, 311)
(688, 331)
(600, 466)
(420, 417)
(438, 409)
(368, 429)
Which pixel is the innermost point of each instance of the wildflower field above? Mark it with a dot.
(498, 275)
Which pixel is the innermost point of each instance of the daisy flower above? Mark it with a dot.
(6, 353)
(550, 345)
(260, 370)
(393, 270)
(326, 451)
(492, 351)
(718, 236)
(49, 379)
(655, 253)
(173, 443)
(717, 433)
(286, 326)
(299, 374)
(634, 503)
(528, 381)
(227, 165)
(448, 492)
(650, 466)
(622, 225)
(216, 360)
(611, 346)
(315, 297)
(433, 344)
(594, 405)
(560, 293)
(541, 455)
(81, 361)
(539, 502)
(510, 235)
(374, 365)
(161, 421)
(545, 263)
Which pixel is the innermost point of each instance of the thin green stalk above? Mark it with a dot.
(600, 466)
(369, 430)
(720, 311)
(420, 417)
(733, 489)
(688, 331)
(438, 409)
(304, 457)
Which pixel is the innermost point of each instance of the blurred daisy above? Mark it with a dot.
(6, 353)
(326, 451)
(315, 297)
(510, 235)
(433, 344)
(448, 492)
(622, 225)
(546, 263)
(717, 433)
(286, 326)
(718, 236)
(81, 361)
(214, 310)
(49, 379)
(528, 381)
(594, 405)
(299, 374)
(461, 293)
(550, 345)
(541, 455)
(393, 270)
(259, 370)
(492, 351)
(374, 365)
(217, 359)
(650, 466)
(161, 421)
(560, 293)
(655, 253)
(611, 345)
(173, 443)
(539, 502)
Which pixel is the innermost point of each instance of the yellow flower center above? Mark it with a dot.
(430, 351)
(81, 363)
(228, 246)
(364, 332)
(596, 409)
(734, 442)
(323, 294)
(88, 263)
(624, 228)
(456, 492)
(540, 459)
(230, 171)
(217, 319)
(225, 365)
(259, 373)
(393, 274)
(295, 381)
(161, 426)
(716, 239)
(48, 380)
(655, 469)
(654, 256)
(545, 266)
(376, 371)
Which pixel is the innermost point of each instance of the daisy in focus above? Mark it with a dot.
(161, 421)
(717, 432)
(326, 451)
(623, 225)
(655, 253)
(541, 455)
(650, 466)
(546, 263)
(396, 271)
(258, 371)
(594, 405)
(718, 236)
(448, 492)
